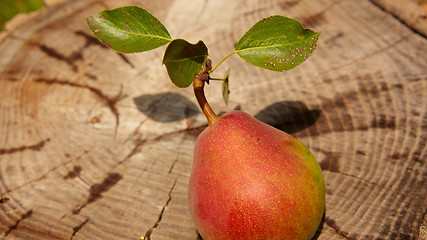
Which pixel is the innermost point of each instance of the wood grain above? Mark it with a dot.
(98, 145)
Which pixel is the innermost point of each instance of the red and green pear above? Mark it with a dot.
(252, 181)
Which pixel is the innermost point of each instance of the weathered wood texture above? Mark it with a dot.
(98, 145)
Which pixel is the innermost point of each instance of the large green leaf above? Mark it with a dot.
(129, 29)
(277, 43)
(184, 61)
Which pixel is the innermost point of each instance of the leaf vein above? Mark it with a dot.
(183, 59)
(139, 34)
(262, 47)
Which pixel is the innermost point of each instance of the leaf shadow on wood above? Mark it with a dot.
(166, 107)
(288, 116)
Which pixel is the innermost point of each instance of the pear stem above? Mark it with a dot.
(198, 85)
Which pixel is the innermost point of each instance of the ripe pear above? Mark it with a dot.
(252, 181)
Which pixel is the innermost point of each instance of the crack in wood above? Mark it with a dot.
(399, 18)
(173, 165)
(286, 5)
(331, 223)
(139, 142)
(37, 179)
(361, 179)
(3, 199)
(344, 122)
(195, 131)
(19, 227)
(96, 190)
(156, 224)
(73, 173)
(78, 228)
(125, 59)
(77, 55)
(135, 133)
(293, 117)
(110, 101)
(58, 56)
(90, 40)
(331, 163)
(136, 148)
(316, 19)
(368, 55)
(35, 147)
(15, 226)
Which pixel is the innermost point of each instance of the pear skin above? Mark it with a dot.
(252, 181)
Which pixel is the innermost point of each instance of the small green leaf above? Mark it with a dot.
(184, 61)
(277, 43)
(129, 29)
(225, 87)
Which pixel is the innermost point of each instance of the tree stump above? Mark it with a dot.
(98, 145)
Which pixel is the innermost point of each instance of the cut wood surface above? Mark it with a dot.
(99, 145)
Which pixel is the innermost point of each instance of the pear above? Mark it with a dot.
(252, 181)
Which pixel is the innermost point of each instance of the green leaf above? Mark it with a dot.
(184, 61)
(9, 8)
(129, 29)
(225, 87)
(277, 43)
